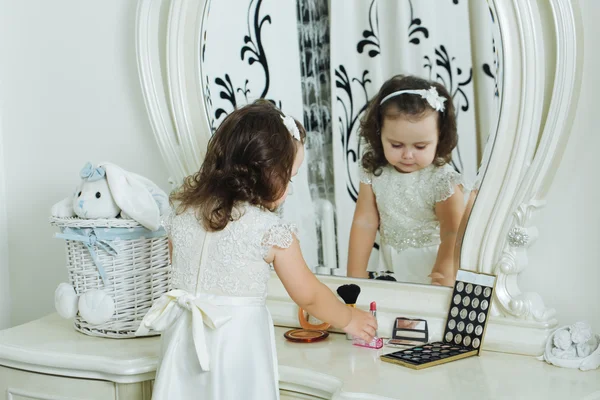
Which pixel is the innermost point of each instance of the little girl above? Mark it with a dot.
(217, 334)
(408, 191)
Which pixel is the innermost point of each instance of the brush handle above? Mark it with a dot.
(303, 318)
(349, 336)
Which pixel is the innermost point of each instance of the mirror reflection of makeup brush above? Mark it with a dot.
(349, 293)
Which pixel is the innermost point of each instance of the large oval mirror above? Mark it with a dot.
(321, 62)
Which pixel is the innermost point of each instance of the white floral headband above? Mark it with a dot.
(291, 126)
(431, 95)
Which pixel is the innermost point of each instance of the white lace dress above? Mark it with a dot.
(217, 334)
(409, 230)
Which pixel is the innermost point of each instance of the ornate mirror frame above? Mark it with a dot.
(537, 107)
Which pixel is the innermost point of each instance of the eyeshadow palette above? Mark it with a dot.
(428, 355)
(465, 325)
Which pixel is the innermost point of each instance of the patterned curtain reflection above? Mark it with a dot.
(313, 28)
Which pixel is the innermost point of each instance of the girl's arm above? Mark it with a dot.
(316, 298)
(363, 232)
(449, 212)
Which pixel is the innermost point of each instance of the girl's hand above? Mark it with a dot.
(362, 324)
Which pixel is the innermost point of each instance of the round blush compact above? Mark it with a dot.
(305, 335)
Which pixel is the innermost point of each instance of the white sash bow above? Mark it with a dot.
(166, 310)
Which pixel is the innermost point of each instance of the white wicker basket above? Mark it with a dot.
(135, 277)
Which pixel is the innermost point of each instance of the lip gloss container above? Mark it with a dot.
(377, 342)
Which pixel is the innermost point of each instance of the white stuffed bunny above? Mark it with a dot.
(106, 191)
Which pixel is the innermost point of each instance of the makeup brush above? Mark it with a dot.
(349, 293)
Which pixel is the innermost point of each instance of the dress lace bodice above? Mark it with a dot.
(406, 203)
(228, 262)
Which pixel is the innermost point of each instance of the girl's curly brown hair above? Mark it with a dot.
(249, 159)
(411, 106)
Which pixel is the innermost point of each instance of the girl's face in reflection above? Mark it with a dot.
(410, 144)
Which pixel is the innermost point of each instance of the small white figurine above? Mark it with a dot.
(573, 346)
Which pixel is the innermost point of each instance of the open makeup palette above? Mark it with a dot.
(465, 325)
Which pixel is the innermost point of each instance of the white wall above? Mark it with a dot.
(69, 93)
(565, 261)
(4, 272)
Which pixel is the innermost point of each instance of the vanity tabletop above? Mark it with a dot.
(332, 368)
(488, 376)
(51, 345)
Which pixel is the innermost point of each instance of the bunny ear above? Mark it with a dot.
(159, 196)
(132, 196)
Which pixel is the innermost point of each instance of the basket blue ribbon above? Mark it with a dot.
(103, 238)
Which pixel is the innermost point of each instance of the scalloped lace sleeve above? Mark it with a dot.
(365, 176)
(279, 235)
(445, 183)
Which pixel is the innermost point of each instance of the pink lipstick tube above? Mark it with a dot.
(377, 342)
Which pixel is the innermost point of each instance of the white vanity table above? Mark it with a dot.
(47, 359)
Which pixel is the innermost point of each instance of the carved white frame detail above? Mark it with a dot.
(536, 110)
(168, 57)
